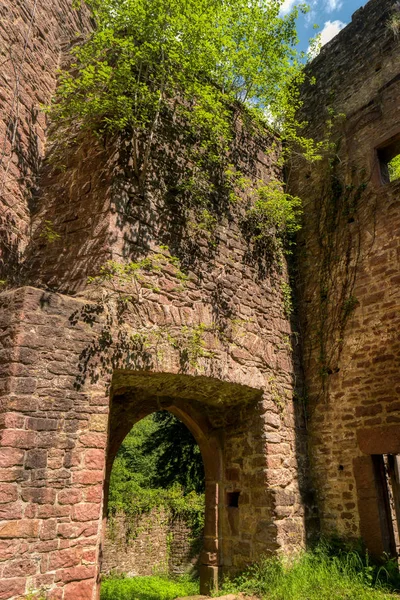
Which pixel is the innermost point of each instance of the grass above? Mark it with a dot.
(327, 573)
(148, 588)
(319, 575)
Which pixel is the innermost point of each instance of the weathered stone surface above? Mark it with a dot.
(73, 382)
(349, 263)
(154, 542)
(34, 34)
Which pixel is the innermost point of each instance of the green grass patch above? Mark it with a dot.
(319, 575)
(147, 588)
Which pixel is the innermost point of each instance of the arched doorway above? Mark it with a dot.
(131, 404)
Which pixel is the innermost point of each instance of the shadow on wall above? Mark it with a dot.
(98, 210)
(25, 153)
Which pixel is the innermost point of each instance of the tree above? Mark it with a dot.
(159, 464)
(190, 62)
(177, 457)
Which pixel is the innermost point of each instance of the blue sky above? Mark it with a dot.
(330, 15)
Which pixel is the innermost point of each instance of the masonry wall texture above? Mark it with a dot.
(152, 543)
(349, 259)
(34, 36)
(80, 365)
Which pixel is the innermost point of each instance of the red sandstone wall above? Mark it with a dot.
(33, 34)
(48, 532)
(95, 373)
(54, 437)
(350, 249)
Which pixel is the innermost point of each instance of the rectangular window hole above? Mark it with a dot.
(233, 499)
(389, 161)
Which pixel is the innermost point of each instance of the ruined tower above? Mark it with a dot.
(80, 364)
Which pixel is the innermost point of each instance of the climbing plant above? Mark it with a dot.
(118, 295)
(338, 251)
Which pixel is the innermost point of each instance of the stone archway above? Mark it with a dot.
(199, 403)
(61, 422)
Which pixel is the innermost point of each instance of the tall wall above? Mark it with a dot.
(81, 363)
(349, 259)
(33, 34)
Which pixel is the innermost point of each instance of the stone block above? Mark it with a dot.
(8, 492)
(18, 438)
(39, 495)
(87, 477)
(79, 590)
(20, 567)
(11, 457)
(24, 528)
(70, 557)
(94, 459)
(14, 587)
(86, 511)
(36, 459)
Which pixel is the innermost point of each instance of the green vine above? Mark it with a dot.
(139, 501)
(339, 249)
(48, 233)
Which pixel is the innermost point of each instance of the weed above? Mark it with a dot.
(324, 574)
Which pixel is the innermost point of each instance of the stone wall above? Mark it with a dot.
(81, 369)
(153, 543)
(54, 439)
(34, 33)
(349, 259)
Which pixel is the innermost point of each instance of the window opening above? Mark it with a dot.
(389, 162)
(233, 499)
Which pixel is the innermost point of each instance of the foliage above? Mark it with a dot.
(147, 588)
(339, 254)
(159, 465)
(135, 277)
(48, 232)
(131, 462)
(275, 215)
(394, 20)
(177, 455)
(209, 54)
(394, 164)
(199, 72)
(192, 344)
(123, 284)
(287, 299)
(318, 575)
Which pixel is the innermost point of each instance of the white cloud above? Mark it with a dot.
(287, 7)
(329, 30)
(332, 5)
